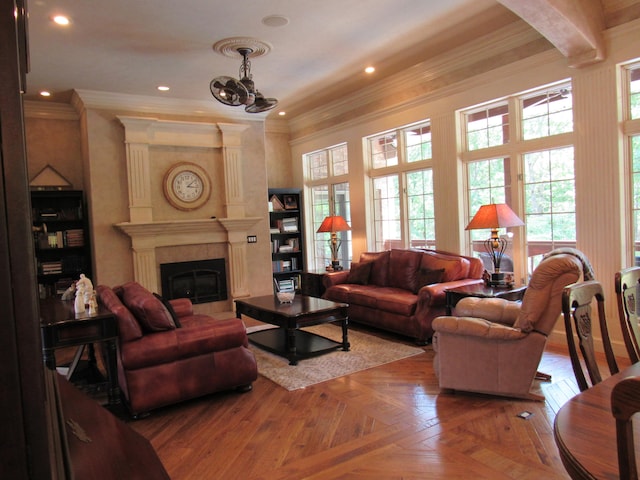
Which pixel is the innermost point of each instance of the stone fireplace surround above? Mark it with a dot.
(148, 234)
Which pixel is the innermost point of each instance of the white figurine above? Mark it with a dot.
(93, 303)
(84, 289)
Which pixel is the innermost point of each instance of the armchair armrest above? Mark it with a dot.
(476, 327)
(492, 309)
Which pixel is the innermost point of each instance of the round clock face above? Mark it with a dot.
(187, 186)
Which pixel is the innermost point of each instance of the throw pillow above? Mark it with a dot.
(152, 315)
(427, 276)
(170, 309)
(359, 273)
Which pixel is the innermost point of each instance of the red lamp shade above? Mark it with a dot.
(334, 223)
(494, 216)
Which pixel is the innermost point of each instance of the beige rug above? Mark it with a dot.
(367, 351)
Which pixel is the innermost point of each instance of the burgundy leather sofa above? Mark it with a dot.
(401, 290)
(168, 354)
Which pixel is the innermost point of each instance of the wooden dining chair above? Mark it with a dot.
(577, 302)
(625, 402)
(627, 283)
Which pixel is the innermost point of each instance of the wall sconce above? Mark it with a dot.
(333, 224)
(495, 216)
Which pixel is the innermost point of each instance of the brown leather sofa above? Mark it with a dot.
(401, 290)
(168, 354)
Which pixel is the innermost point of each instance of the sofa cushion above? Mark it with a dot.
(128, 327)
(396, 300)
(170, 309)
(403, 266)
(359, 273)
(455, 268)
(379, 267)
(152, 315)
(426, 276)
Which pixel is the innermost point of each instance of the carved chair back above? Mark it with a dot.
(577, 302)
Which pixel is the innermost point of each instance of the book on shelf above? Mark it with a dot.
(281, 266)
(285, 249)
(288, 225)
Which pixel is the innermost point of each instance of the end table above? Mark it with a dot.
(454, 295)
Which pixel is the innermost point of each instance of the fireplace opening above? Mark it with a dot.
(200, 281)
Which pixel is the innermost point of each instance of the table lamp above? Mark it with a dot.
(333, 224)
(495, 216)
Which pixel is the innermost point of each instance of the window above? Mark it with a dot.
(547, 113)
(489, 181)
(384, 150)
(542, 177)
(403, 207)
(632, 129)
(487, 126)
(386, 212)
(418, 141)
(550, 206)
(634, 91)
(327, 171)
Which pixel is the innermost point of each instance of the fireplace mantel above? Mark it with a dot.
(147, 236)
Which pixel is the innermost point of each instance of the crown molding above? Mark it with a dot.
(82, 99)
(49, 110)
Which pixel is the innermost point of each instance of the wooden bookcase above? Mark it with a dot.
(61, 239)
(287, 239)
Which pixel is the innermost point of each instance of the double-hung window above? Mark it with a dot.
(528, 164)
(632, 131)
(402, 180)
(328, 190)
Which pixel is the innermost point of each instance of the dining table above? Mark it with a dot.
(585, 430)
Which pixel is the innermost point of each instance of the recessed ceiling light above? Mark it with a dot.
(163, 88)
(282, 113)
(369, 70)
(44, 93)
(275, 21)
(61, 20)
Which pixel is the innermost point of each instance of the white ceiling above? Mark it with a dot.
(132, 46)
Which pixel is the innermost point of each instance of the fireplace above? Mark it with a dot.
(200, 281)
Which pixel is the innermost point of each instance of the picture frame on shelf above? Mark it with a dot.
(276, 204)
(290, 202)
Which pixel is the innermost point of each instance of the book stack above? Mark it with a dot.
(51, 268)
(74, 238)
(288, 225)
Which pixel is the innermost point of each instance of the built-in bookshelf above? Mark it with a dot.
(287, 241)
(60, 239)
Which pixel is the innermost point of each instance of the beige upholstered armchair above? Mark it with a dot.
(494, 346)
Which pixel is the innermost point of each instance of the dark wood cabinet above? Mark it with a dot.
(287, 240)
(61, 239)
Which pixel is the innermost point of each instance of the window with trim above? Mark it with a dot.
(402, 181)
(328, 192)
(632, 129)
(535, 179)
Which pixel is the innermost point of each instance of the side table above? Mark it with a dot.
(312, 283)
(454, 295)
(60, 327)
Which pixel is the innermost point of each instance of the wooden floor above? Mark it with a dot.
(389, 422)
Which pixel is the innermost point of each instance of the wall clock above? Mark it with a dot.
(187, 186)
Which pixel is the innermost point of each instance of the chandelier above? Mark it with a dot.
(234, 92)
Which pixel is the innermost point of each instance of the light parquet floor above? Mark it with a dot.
(389, 422)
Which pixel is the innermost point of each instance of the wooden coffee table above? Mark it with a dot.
(288, 340)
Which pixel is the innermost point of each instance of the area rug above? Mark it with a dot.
(367, 351)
